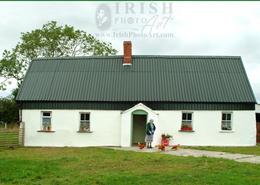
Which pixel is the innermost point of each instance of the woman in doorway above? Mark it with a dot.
(150, 129)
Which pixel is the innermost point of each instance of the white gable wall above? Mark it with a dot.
(113, 128)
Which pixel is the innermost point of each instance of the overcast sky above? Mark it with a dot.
(177, 28)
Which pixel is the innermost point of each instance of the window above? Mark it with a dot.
(186, 124)
(84, 122)
(226, 123)
(46, 121)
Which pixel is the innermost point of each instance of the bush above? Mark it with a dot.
(9, 112)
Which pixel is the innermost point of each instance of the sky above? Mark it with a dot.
(155, 28)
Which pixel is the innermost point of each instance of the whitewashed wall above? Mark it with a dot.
(207, 128)
(257, 108)
(105, 127)
(113, 128)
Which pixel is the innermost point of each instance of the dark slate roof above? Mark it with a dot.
(150, 78)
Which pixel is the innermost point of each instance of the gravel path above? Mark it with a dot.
(199, 153)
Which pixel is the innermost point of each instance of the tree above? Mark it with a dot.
(9, 112)
(49, 41)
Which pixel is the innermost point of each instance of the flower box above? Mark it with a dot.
(186, 128)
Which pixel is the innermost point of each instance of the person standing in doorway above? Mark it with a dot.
(150, 129)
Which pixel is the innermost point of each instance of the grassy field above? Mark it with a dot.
(82, 166)
(241, 150)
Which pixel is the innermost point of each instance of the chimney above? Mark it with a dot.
(127, 53)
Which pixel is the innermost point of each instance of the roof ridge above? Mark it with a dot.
(138, 56)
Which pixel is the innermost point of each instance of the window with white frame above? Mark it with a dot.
(226, 123)
(46, 121)
(186, 124)
(84, 122)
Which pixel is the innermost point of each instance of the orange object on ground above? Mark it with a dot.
(141, 145)
(161, 147)
(175, 147)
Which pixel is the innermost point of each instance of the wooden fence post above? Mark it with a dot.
(21, 134)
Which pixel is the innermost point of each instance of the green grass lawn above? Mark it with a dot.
(254, 150)
(82, 166)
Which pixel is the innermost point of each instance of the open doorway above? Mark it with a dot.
(139, 118)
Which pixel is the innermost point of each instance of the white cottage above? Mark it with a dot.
(106, 101)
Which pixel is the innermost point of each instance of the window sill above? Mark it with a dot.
(186, 131)
(84, 131)
(49, 131)
(227, 131)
